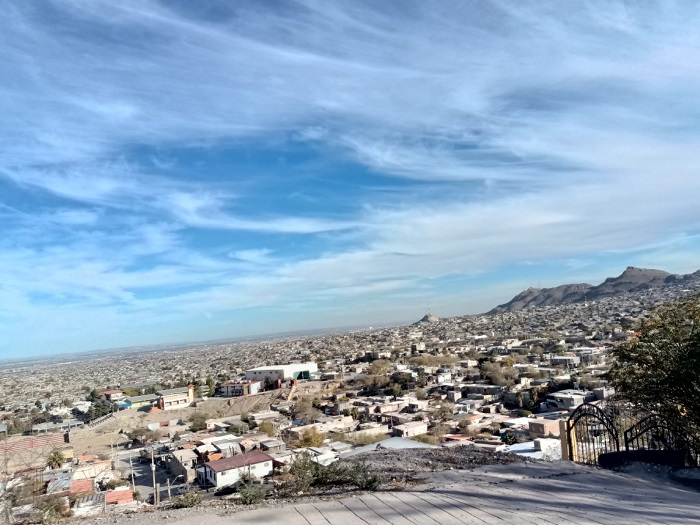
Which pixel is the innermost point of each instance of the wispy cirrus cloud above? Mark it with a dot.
(454, 140)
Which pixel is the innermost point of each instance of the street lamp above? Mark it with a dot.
(174, 480)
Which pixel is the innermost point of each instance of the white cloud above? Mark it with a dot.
(523, 132)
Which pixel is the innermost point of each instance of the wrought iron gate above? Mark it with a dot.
(654, 434)
(590, 432)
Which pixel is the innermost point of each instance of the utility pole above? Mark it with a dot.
(131, 466)
(153, 471)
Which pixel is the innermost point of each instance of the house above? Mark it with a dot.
(174, 398)
(541, 428)
(567, 361)
(273, 445)
(568, 399)
(240, 388)
(184, 463)
(227, 471)
(113, 396)
(119, 496)
(410, 429)
(443, 375)
(137, 402)
(282, 372)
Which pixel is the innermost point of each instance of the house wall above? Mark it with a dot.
(283, 372)
(240, 389)
(186, 468)
(410, 429)
(229, 477)
(174, 401)
(543, 427)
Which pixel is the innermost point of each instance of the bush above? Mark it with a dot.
(309, 474)
(250, 494)
(53, 509)
(198, 421)
(309, 438)
(362, 439)
(427, 438)
(189, 499)
(509, 438)
(268, 428)
(524, 413)
(303, 468)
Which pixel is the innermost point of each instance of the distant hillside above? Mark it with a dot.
(631, 280)
(427, 318)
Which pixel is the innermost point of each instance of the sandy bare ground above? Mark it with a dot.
(99, 439)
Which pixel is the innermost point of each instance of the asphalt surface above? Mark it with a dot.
(143, 476)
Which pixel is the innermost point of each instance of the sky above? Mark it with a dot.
(181, 171)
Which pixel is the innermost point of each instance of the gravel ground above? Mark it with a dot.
(397, 468)
(402, 464)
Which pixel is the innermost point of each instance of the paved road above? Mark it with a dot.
(144, 478)
(561, 494)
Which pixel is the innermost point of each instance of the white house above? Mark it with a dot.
(228, 471)
(282, 372)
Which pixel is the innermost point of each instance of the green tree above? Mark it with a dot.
(268, 428)
(658, 370)
(304, 409)
(250, 495)
(211, 385)
(465, 427)
(198, 421)
(56, 459)
(509, 438)
(309, 438)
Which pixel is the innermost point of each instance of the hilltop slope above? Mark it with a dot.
(631, 280)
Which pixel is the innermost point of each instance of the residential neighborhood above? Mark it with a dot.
(140, 428)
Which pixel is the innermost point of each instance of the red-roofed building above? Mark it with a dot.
(113, 395)
(82, 486)
(119, 497)
(228, 471)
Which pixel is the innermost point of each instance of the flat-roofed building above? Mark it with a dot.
(240, 388)
(174, 398)
(282, 372)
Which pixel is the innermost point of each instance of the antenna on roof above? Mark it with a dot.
(428, 306)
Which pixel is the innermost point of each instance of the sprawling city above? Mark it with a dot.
(224, 423)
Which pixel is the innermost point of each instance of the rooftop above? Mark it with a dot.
(241, 460)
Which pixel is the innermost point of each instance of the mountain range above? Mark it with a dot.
(631, 280)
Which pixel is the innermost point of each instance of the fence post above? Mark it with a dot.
(564, 439)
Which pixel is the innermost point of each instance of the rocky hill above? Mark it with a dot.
(631, 280)
(427, 318)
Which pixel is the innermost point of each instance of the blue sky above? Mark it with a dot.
(178, 171)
